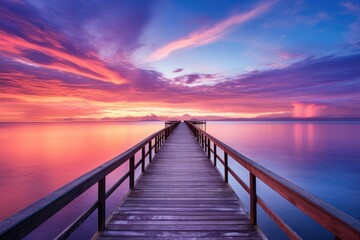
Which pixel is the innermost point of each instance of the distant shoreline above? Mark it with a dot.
(357, 119)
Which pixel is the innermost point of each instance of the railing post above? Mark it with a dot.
(160, 140)
(101, 205)
(156, 143)
(208, 149)
(143, 159)
(150, 151)
(253, 200)
(204, 143)
(132, 173)
(202, 140)
(215, 155)
(226, 167)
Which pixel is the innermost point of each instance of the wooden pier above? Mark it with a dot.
(181, 195)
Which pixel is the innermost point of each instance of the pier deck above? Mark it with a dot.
(180, 195)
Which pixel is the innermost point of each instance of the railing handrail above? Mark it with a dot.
(342, 225)
(22, 223)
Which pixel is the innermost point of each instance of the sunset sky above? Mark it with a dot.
(130, 60)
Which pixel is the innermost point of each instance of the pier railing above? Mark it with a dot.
(337, 222)
(25, 221)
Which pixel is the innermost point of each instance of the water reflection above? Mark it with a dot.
(303, 137)
(321, 157)
(38, 158)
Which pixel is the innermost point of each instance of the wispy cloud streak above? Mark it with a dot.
(304, 89)
(209, 35)
(27, 38)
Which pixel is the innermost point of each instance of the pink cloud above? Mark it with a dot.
(303, 110)
(90, 67)
(208, 35)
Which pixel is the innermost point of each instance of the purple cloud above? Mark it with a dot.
(112, 28)
(178, 70)
(195, 77)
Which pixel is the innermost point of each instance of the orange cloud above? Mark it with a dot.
(209, 35)
(89, 67)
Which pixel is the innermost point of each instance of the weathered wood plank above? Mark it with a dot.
(179, 217)
(180, 238)
(169, 234)
(181, 227)
(182, 234)
(178, 222)
(180, 213)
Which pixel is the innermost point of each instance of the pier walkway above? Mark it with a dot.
(181, 195)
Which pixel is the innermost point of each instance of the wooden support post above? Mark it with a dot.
(215, 155)
(143, 159)
(226, 167)
(204, 143)
(156, 144)
(150, 151)
(160, 140)
(202, 140)
(101, 204)
(132, 173)
(253, 200)
(208, 148)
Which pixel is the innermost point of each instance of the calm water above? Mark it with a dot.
(323, 158)
(38, 158)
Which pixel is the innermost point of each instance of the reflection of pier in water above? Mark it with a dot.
(180, 194)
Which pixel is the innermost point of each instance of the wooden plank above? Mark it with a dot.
(178, 222)
(180, 238)
(179, 213)
(194, 234)
(181, 227)
(179, 217)
(181, 195)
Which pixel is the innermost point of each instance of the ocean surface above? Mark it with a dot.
(321, 157)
